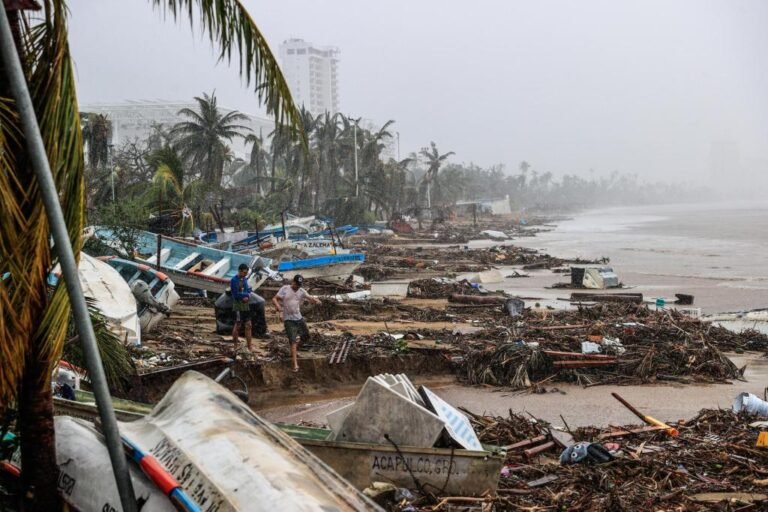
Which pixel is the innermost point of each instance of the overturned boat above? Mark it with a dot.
(190, 265)
(228, 459)
(154, 291)
(112, 296)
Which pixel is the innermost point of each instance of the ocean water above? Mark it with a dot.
(718, 252)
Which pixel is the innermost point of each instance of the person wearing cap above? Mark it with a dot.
(241, 293)
(288, 301)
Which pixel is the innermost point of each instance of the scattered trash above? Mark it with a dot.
(588, 347)
(514, 307)
(495, 235)
(751, 404)
(589, 453)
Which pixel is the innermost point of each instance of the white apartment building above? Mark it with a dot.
(312, 74)
(133, 119)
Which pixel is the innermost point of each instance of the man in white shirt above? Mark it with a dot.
(288, 300)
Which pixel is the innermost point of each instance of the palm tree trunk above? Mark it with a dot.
(38, 442)
(274, 162)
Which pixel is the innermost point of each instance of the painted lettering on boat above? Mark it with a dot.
(66, 483)
(418, 465)
(194, 483)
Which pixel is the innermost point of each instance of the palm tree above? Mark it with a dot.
(97, 134)
(202, 140)
(434, 161)
(33, 321)
(257, 162)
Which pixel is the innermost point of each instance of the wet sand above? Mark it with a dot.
(579, 406)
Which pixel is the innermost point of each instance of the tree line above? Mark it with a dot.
(189, 173)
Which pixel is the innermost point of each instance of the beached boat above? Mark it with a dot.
(112, 295)
(155, 293)
(287, 250)
(229, 459)
(444, 471)
(86, 480)
(333, 268)
(456, 472)
(191, 265)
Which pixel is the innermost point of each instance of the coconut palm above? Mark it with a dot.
(434, 162)
(97, 135)
(33, 320)
(252, 172)
(202, 139)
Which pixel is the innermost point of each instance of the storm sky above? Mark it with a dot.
(646, 87)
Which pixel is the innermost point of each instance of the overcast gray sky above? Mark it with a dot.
(643, 87)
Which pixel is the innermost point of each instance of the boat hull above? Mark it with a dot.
(440, 470)
(337, 273)
(228, 459)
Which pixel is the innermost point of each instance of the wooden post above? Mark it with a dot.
(282, 219)
(159, 248)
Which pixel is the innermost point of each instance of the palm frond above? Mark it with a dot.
(230, 27)
(34, 323)
(114, 356)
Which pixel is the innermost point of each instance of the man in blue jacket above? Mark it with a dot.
(240, 296)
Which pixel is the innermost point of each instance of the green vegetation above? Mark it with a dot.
(335, 168)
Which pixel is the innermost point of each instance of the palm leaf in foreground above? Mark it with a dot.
(114, 356)
(34, 321)
(230, 27)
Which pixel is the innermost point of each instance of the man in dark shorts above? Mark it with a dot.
(241, 292)
(289, 300)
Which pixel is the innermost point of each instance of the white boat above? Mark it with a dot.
(227, 458)
(287, 250)
(86, 480)
(112, 295)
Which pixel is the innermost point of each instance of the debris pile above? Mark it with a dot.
(712, 464)
(607, 343)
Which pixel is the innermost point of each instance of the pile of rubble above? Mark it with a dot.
(607, 343)
(711, 464)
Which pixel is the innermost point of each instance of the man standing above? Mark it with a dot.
(241, 292)
(289, 300)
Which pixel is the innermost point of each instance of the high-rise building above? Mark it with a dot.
(312, 75)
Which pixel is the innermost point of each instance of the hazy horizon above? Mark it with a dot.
(659, 89)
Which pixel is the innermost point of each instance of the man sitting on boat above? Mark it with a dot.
(288, 301)
(241, 294)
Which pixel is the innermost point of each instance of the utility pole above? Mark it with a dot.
(357, 184)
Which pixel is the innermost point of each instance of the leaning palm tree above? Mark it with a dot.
(202, 140)
(33, 319)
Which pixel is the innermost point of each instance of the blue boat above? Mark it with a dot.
(334, 268)
(191, 265)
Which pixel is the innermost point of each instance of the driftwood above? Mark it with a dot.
(477, 299)
(633, 298)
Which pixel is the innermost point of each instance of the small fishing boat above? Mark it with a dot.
(287, 250)
(155, 293)
(86, 480)
(191, 265)
(229, 459)
(443, 471)
(334, 268)
(112, 296)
